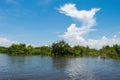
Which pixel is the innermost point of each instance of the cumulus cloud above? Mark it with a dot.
(99, 43)
(6, 42)
(75, 34)
(86, 17)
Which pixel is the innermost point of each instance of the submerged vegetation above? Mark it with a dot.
(62, 48)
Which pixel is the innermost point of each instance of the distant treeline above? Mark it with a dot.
(61, 48)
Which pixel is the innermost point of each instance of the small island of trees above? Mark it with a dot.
(61, 48)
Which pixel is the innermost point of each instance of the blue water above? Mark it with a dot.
(49, 68)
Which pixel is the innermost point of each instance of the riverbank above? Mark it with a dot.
(62, 49)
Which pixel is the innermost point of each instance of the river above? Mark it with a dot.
(49, 68)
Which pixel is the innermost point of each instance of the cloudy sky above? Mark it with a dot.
(41, 22)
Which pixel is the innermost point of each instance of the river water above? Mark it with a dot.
(49, 68)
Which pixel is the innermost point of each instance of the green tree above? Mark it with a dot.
(61, 48)
(17, 49)
(45, 50)
(3, 49)
(78, 50)
(117, 49)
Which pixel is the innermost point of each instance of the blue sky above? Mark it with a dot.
(40, 22)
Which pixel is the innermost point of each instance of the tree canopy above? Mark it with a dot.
(62, 48)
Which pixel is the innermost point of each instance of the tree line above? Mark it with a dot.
(62, 48)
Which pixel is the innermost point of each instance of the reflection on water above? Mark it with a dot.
(59, 63)
(77, 69)
(51, 68)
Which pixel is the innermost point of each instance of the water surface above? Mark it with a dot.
(49, 68)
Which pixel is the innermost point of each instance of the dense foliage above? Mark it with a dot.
(61, 48)
(3, 49)
(110, 52)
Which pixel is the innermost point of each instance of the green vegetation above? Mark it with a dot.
(110, 52)
(62, 48)
(3, 49)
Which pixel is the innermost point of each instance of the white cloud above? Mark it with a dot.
(99, 43)
(75, 35)
(6, 42)
(86, 17)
